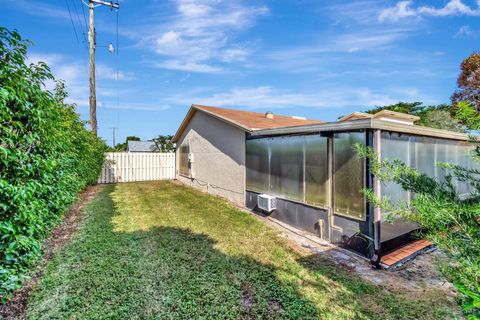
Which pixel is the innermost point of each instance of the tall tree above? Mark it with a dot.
(469, 81)
(467, 115)
(413, 108)
(436, 116)
(164, 143)
(441, 119)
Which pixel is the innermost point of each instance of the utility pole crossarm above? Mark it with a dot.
(110, 4)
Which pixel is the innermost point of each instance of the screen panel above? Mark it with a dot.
(423, 154)
(349, 175)
(466, 161)
(290, 167)
(316, 170)
(287, 167)
(443, 154)
(423, 149)
(395, 146)
(257, 165)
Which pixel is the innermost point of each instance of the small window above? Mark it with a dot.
(184, 163)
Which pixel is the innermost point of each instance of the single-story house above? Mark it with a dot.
(141, 146)
(311, 169)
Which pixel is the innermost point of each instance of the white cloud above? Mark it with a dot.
(269, 97)
(200, 36)
(404, 9)
(192, 9)
(140, 106)
(75, 73)
(367, 40)
(106, 72)
(49, 59)
(188, 66)
(466, 31)
(362, 12)
(235, 54)
(40, 9)
(453, 7)
(401, 10)
(335, 49)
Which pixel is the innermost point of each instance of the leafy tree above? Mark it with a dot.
(164, 143)
(448, 220)
(413, 108)
(469, 82)
(467, 114)
(46, 157)
(438, 116)
(442, 119)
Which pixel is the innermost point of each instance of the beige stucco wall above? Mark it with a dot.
(219, 157)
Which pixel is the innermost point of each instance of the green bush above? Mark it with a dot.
(46, 157)
(450, 221)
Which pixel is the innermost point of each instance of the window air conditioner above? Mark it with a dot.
(266, 202)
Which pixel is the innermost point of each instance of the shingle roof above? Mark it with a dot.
(245, 120)
(140, 146)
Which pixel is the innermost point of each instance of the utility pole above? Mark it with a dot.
(93, 95)
(113, 136)
(92, 4)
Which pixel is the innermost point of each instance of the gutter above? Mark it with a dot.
(365, 124)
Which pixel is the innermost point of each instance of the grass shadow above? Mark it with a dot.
(160, 250)
(165, 272)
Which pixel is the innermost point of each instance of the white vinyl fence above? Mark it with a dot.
(137, 166)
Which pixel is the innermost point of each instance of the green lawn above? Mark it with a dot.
(161, 250)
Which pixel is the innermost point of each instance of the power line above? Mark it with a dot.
(84, 17)
(73, 24)
(78, 20)
(85, 22)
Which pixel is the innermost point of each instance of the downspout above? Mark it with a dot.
(377, 211)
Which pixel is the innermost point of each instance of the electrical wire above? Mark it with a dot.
(84, 17)
(78, 20)
(71, 19)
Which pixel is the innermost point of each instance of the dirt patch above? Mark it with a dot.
(15, 307)
(247, 299)
(416, 277)
(274, 306)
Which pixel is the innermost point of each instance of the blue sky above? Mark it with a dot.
(313, 58)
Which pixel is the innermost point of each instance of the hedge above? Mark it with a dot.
(450, 221)
(46, 157)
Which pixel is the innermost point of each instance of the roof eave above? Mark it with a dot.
(224, 119)
(370, 123)
(196, 107)
(184, 124)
